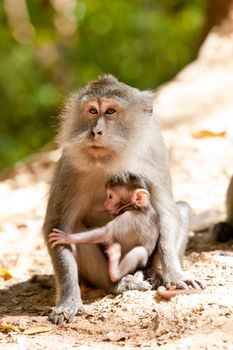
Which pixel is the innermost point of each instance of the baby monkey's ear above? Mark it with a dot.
(140, 197)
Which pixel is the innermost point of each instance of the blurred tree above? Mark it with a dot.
(50, 47)
(218, 11)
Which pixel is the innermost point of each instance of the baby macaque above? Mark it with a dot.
(130, 237)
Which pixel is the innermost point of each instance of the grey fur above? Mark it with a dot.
(134, 144)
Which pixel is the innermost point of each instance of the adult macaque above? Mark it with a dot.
(223, 231)
(108, 129)
(132, 234)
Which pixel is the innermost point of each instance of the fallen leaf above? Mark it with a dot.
(7, 327)
(35, 330)
(208, 133)
(5, 274)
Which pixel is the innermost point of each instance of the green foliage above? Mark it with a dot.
(144, 43)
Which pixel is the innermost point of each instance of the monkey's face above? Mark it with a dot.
(116, 198)
(112, 201)
(106, 119)
(103, 121)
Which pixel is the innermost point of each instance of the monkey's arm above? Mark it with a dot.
(105, 234)
(65, 266)
(172, 228)
(99, 235)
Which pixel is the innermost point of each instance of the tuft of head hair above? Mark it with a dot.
(131, 181)
(106, 85)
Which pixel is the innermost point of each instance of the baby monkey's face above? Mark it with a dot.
(120, 196)
(115, 198)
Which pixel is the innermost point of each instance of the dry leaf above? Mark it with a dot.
(208, 133)
(35, 330)
(7, 327)
(5, 274)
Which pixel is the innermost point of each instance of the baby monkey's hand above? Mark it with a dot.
(57, 237)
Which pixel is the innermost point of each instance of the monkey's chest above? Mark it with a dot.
(96, 216)
(96, 219)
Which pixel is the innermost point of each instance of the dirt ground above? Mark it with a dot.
(195, 113)
(134, 319)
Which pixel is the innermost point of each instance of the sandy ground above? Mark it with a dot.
(195, 113)
(134, 319)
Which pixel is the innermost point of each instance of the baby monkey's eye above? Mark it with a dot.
(110, 111)
(93, 110)
(110, 196)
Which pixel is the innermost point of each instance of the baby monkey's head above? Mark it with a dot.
(125, 192)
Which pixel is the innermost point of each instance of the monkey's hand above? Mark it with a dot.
(57, 237)
(181, 281)
(65, 312)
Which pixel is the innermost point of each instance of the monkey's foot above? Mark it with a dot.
(153, 276)
(65, 312)
(131, 282)
(182, 281)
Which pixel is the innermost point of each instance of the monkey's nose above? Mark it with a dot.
(96, 131)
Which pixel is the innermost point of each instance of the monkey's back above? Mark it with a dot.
(136, 228)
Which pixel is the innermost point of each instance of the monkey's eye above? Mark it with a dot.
(93, 110)
(110, 111)
(110, 196)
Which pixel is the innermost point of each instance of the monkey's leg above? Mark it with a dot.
(229, 202)
(93, 268)
(185, 212)
(223, 231)
(137, 256)
(114, 255)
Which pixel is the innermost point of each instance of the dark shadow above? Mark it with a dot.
(203, 242)
(36, 296)
(31, 297)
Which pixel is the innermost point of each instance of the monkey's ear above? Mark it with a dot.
(148, 100)
(141, 197)
(68, 119)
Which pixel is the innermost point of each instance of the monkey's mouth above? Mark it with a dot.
(97, 147)
(97, 150)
